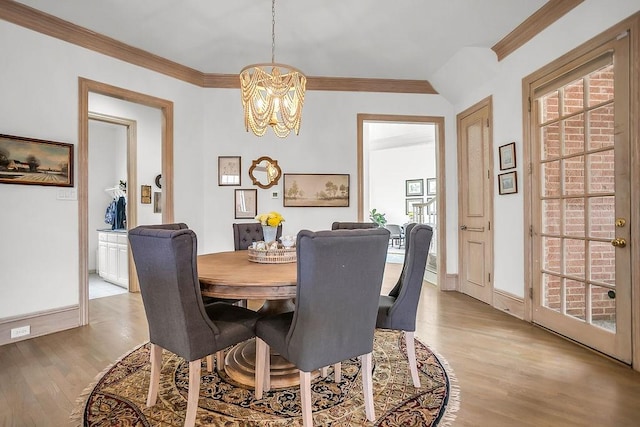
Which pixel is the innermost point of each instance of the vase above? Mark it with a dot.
(269, 233)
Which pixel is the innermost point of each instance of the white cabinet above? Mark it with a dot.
(113, 257)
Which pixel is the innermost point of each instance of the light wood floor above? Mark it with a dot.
(510, 373)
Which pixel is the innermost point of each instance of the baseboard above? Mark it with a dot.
(41, 323)
(450, 282)
(508, 303)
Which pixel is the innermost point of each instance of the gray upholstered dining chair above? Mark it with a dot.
(397, 234)
(244, 234)
(178, 320)
(338, 225)
(398, 309)
(339, 281)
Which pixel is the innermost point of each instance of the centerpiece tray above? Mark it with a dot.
(272, 256)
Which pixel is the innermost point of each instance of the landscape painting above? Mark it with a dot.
(35, 162)
(316, 190)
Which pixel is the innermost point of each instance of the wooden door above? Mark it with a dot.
(475, 202)
(581, 260)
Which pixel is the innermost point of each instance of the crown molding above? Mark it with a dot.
(533, 25)
(52, 26)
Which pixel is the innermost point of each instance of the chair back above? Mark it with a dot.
(339, 281)
(337, 225)
(394, 229)
(407, 236)
(244, 234)
(402, 314)
(166, 262)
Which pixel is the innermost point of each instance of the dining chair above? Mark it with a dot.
(397, 235)
(338, 225)
(244, 234)
(339, 281)
(178, 320)
(398, 309)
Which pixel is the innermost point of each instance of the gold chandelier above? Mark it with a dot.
(272, 98)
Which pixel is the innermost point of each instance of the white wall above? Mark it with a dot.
(389, 170)
(108, 150)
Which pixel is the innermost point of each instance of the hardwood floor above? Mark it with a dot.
(509, 372)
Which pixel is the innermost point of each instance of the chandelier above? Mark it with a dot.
(272, 93)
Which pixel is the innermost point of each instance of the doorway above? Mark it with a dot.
(581, 190)
(429, 193)
(166, 109)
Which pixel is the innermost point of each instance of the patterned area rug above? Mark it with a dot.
(118, 396)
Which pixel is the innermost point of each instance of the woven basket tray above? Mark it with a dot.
(272, 256)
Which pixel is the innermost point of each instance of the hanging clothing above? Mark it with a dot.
(121, 214)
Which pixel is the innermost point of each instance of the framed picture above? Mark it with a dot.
(229, 170)
(508, 183)
(507, 156)
(322, 190)
(414, 187)
(431, 186)
(145, 194)
(35, 162)
(246, 204)
(157, 202)
(410, 202)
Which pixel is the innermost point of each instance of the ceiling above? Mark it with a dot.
(405, 39)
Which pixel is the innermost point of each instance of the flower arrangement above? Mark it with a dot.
(272, 219)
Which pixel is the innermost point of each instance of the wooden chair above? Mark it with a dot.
(178, 320)
(339, 281)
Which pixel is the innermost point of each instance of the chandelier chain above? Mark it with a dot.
(273, 31)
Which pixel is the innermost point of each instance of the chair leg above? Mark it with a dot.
(209, 360)
(411, 355)
(367, 387)
(220, 359)
(324, 371)
(305, 398)
(156, 367)
(337, 372)
(194, 393)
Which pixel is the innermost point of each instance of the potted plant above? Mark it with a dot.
(377, 217)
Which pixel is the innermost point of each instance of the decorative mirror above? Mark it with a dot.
(265, 172)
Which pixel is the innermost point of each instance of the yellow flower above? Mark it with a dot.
(272, 218)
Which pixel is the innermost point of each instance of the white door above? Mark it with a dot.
(475, 203)
(581, 268)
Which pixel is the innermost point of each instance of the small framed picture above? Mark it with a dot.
(145, 194)
(431, 186)
(246, 203)
(507, 156)
(508, 183)
(410, 202)
(414, 187)
(229, 170)
(157, 202)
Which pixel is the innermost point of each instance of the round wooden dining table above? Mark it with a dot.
(232, 275)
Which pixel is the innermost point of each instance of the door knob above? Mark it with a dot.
(620, 222)
(619, 242)
(463, 227)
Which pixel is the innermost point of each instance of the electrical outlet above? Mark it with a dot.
(21, 331)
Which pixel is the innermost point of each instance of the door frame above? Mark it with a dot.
(485, 103)
(632, 26)
(438, 122)
(86, 86)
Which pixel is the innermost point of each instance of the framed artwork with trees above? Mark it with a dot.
(315, 190)
(35, 162)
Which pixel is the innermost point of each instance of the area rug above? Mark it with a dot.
(118, 396)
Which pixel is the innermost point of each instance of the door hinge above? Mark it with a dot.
(489, 225)
(530, 293)
(531, 231)
(530, 168)
(489, 277)
(487, 122)
(529, 104)
(488, 174)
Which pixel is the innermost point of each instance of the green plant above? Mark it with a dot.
(377, 217)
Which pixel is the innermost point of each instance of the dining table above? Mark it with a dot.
(232, 275)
